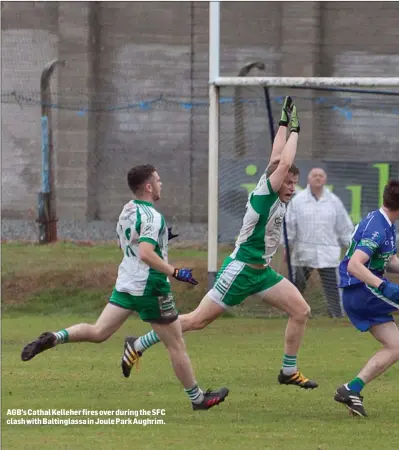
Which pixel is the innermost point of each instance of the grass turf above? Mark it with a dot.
(50, 287)
(243, 354)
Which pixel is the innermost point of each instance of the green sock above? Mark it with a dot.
(62, 337)
(289, 364)
(146, 341)
(357, 384)
(195, 394)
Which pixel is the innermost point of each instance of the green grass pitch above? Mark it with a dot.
(241, 353)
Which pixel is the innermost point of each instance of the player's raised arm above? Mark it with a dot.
(281, 135)
(287, 155)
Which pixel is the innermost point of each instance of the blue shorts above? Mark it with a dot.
(365, 307)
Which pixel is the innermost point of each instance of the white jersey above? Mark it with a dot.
(317, 229)
(139, 222)
(260, 233)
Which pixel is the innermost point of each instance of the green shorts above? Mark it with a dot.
(158, 309)
(236, 281)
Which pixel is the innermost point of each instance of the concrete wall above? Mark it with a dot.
(121, 52)
(28, 41)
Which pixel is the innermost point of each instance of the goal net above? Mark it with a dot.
(350, 133)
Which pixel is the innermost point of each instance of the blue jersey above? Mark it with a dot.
(376, 236)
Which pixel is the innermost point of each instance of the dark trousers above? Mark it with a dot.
(329, 281)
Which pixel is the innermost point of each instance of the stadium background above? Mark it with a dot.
(134, 90)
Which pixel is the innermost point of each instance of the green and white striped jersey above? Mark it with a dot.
(260, 233)
(139, 222)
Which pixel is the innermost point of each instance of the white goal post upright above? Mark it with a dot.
(213, 160)
(216, 81)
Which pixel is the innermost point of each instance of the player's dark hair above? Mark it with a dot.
(139, 175)
(273, 166)
(391, 195)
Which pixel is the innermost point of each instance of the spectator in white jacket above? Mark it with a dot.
(318, 226)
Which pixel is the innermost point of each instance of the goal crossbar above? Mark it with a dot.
(215, 83)
(307, 82)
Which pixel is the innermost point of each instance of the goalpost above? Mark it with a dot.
(216, 82)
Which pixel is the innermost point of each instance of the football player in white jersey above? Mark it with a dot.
(247, 270)
(142, 286)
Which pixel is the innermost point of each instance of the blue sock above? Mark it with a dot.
(356, 385)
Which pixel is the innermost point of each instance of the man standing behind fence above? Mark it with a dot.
(318, 226)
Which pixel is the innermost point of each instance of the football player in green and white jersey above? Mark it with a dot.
(247, 270)
(142, 286)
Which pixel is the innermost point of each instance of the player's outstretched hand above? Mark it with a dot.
(185, 275)
(390, 290)
(170, 234)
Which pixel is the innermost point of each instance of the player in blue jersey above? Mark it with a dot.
(370, 299)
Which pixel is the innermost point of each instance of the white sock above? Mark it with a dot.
(195, 394)
(290, 370)
(289, 365)
(146, 341)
